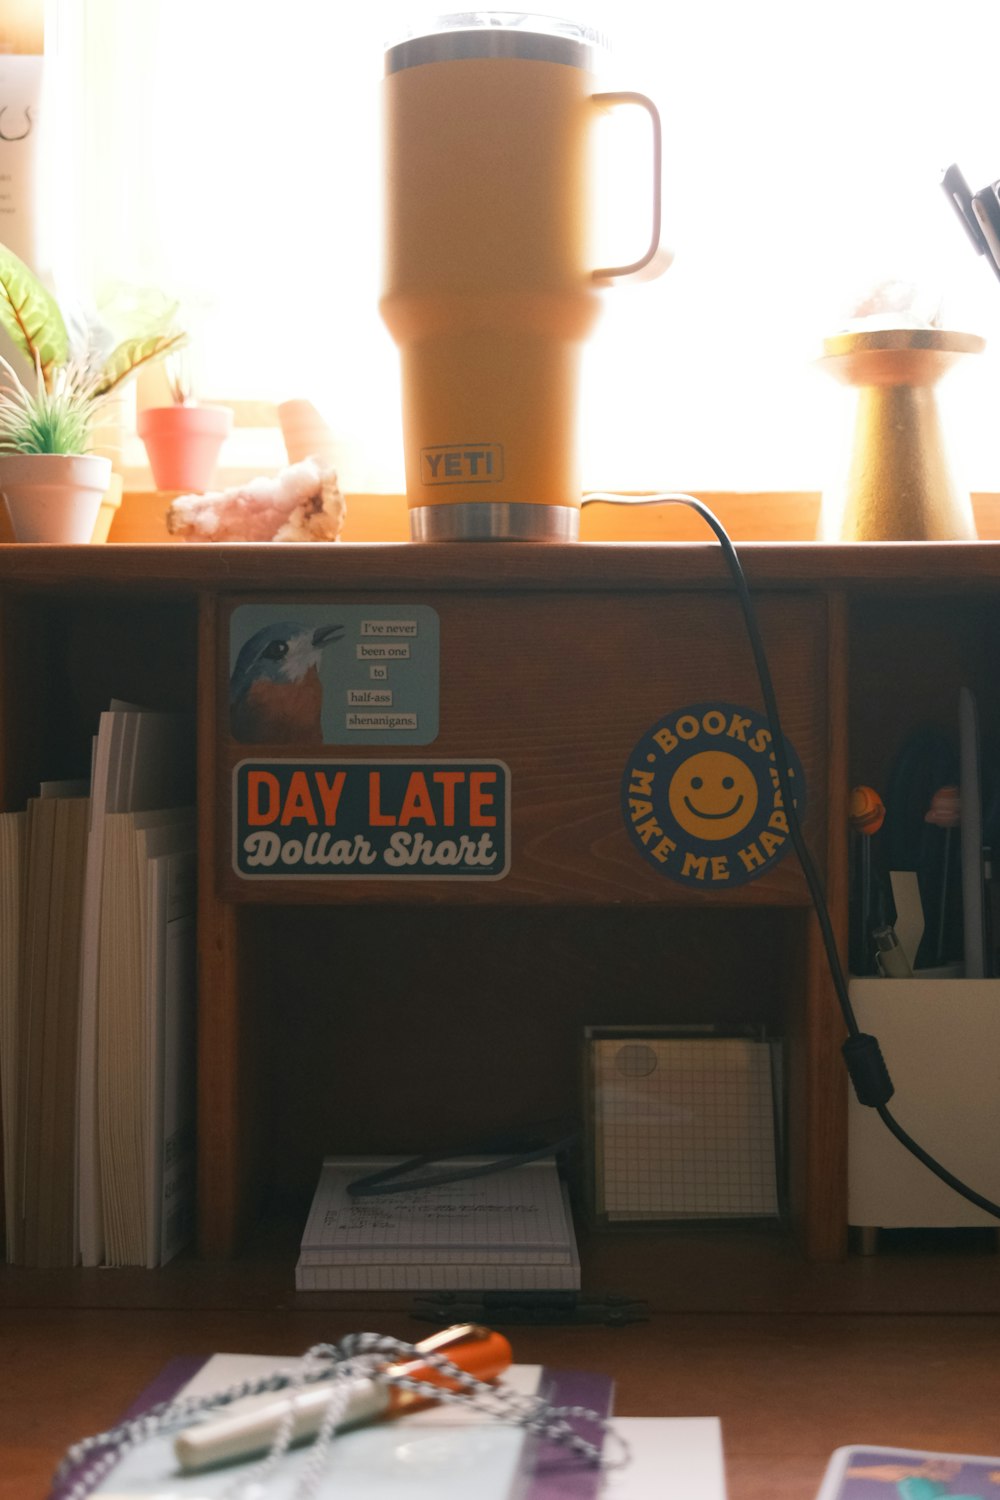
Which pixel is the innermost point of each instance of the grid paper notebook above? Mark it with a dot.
(507, 1230)
(684, 1128)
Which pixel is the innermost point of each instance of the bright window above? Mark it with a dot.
(229, 154)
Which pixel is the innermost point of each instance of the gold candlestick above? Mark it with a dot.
(899, 485)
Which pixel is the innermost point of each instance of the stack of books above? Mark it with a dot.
(506, 1230)
(137, 993)
(97, 1003)
(135, 1101)
(145, 1036)
(42, 883)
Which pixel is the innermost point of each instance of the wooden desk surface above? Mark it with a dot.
(787, 1388)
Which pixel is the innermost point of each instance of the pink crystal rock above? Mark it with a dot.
(302, 503)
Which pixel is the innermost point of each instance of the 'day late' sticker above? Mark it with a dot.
(701, 797)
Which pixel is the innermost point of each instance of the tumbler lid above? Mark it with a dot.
(495, 33)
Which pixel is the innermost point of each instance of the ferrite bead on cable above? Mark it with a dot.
(868, 1071)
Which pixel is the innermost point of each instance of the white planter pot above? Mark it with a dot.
(53, 497)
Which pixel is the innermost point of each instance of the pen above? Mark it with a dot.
(944, 812)
(959, 195)
(991, 911)
(963, 201)
(243, 1434)
(890, 959)
(866, 814)
(987, 212)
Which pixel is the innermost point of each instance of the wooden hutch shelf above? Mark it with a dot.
(385, 1016)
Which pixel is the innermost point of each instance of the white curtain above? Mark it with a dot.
(227, 152)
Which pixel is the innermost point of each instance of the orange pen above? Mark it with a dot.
(250, 1429)
(476, 1350)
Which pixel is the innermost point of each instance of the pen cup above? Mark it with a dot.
(941, 1043)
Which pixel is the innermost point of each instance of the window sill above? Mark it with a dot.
(765, 517)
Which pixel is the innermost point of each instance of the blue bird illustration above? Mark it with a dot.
(275, 693)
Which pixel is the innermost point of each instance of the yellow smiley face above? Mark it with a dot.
(713, 795)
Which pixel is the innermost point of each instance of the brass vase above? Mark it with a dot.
(899, 486)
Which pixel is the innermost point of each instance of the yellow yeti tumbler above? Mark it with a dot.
(488, 283)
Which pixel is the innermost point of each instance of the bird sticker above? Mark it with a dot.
(275, 691)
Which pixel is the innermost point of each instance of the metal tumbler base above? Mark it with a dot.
(494, 521)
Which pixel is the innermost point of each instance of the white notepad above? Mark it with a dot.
(510, 1229)
(521, 1208)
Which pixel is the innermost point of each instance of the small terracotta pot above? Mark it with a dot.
(305, 433)
(183, 444)
(53, 497)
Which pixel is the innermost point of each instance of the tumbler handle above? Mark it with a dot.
(656, 260)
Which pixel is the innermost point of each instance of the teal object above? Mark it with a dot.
(918, 1488)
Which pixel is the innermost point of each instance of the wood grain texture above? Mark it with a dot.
(756, 1269)
(885, 568)
(817, 1075)
(230, 1122)
(561, 689)
(787, 1390)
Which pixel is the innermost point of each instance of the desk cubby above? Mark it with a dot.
(340, 1015)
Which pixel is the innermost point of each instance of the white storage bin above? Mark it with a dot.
(941, 1042)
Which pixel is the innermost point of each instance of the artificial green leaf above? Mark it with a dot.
(132, 353)
(28, 312)
(41, 421)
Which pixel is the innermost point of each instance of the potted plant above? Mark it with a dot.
(52, 485)
(183, 440)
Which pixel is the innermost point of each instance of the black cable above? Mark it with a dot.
(862, 1055)
(404, 1176)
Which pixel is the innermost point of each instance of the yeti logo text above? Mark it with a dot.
(462, 463)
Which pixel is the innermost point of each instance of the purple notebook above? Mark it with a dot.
(547, 1471)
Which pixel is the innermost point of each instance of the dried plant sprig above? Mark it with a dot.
(179, 379)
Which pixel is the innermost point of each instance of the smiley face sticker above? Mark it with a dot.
(701, 796)
(713, 795)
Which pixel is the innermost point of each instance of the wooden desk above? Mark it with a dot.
(788, 1389)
